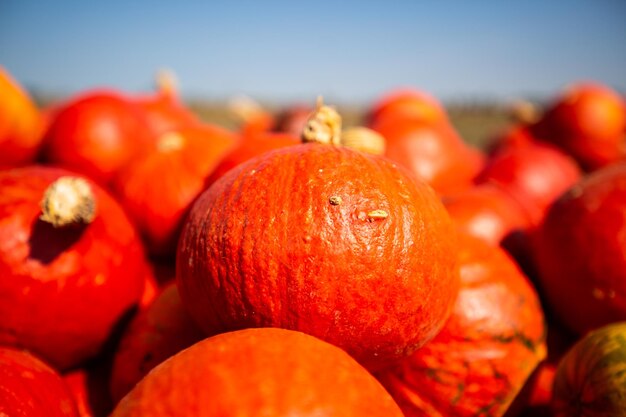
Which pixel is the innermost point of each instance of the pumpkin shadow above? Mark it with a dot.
(48, 242)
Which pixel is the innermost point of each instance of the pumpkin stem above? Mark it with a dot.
(68, 200)
(363, 139)
(524, 112)
(323, 125)
(245, 108)
(166, 82)
(170, 141)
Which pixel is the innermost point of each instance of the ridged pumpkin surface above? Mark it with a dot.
(259, 373)
(590, 380)
(325, 240)
(483, 356)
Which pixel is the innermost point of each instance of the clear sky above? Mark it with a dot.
(349, 51)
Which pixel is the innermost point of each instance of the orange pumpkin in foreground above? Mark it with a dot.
(326, 240)
(69, 271)
(31, 388)
(492, 343)
(21, 123)
(255, 373)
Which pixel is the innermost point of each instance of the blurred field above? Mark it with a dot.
(477, 123)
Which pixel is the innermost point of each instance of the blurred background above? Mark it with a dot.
(473, 56)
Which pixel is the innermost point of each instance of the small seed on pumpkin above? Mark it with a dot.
(335, 200)
(377, 215)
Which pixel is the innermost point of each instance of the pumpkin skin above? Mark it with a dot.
(21, 124)
(159, 331)
(487, 212)
(431, 151)
(343, 245)
(406, 103)
(63, 289)
(259, 372)
(96, 134)
(580, 251)
(590, 379)
(164, 110)
(518, 135)
(489, 347)
(250, 147)
(31, 388)
(588, 121)
(157, 188)
(535, 175)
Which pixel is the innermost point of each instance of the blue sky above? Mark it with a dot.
(349, 51)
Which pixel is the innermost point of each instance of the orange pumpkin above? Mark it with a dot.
(432, 151)
(96, 134)
(580, 251)
(21, 124)
(69, 271)
(259, 372)
(406, 103)
(164, 110)
(31, 388)
(588, 121)
(535, 175)
(342, 245)
(488, 212)
(485, 353)
(157, 188)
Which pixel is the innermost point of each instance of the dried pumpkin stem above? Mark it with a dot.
(68, 200)
(170, 141)
(166, 82)
(323, 125)
(524, 112)
(363, 139)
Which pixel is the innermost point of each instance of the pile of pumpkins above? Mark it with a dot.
(154, 264)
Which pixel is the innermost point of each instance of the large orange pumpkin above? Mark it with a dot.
(31, 388)
(492, 343)
(580, 251)
(68, 272)
(21, 123)
(255, 373)
(330, 241)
